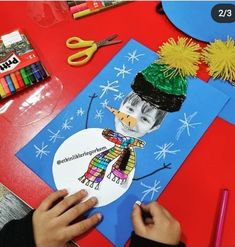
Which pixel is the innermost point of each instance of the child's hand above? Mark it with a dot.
(53, 221)
(154, 222)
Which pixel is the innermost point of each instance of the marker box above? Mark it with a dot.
(83, 8)
(20, 66)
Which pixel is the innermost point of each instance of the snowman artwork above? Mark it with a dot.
(102, 160)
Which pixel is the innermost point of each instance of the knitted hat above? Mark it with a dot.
(164, 83)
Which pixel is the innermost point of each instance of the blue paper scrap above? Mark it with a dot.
(227, 113)
(185, 16)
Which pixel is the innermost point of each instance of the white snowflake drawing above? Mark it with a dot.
(40, 151)
(150, 189)
(99, 115)
(80, 112)
(186, 125)
(111, 86)
(54, 136)
(133, 56)
(122, 71)
(164, 150)
(66, 124)
(119, 96)
(104, 103)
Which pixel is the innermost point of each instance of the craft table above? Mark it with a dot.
(193, 194)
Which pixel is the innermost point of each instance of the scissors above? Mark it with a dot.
(91, 46)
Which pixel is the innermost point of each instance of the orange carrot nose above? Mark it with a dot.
(123, 117)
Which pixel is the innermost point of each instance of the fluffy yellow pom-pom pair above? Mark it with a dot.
(182, 57)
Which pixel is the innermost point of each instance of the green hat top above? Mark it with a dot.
(155, 75)
(164, 82)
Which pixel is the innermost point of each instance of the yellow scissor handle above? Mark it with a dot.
(75, 42)
(83, 56)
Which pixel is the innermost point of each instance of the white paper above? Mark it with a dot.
(11, 38)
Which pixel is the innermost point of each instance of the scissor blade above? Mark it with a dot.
(107, 40)
(112, 42)
(113, 36)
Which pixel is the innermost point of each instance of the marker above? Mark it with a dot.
(109, 3)
(221, 218)
(84, 13)
(30, 75)
(92, 5)
(5, 87)
(36, 72)
(42, 70)
(78, 8)
(25, 78)
(19, 79)
(2, 92)
(73, 3)
(10, 84)
(15, 81)
(145, 215)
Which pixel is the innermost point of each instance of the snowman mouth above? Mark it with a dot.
(127, 127)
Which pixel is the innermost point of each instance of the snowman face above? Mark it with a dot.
(147, 117)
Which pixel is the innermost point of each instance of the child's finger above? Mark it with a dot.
(153, 209)
(137, 219)
(83, 226)
(67, 203)
(49, 201)
(148, 221)
(76, 211)
(166, 212)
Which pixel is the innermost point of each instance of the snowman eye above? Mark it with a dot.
(130, 109)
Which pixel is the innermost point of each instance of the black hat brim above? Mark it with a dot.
(164, 101)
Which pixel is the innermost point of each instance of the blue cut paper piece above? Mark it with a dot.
(178, 134)
(227, 113)
(194, 18)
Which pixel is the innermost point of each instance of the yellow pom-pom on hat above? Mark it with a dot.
(220, 58)
(181, 57)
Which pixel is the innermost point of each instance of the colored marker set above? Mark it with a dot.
(84, 8)
(19, 64)
(21, 79)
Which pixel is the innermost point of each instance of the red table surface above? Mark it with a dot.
(193, 194)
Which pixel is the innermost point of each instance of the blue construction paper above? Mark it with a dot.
(178, 134)
(227, 113)
(194, 18)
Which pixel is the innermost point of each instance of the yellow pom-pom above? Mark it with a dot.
(220, 57)
(181, 57)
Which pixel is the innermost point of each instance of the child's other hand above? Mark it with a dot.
(154, 222)
(53, 221)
